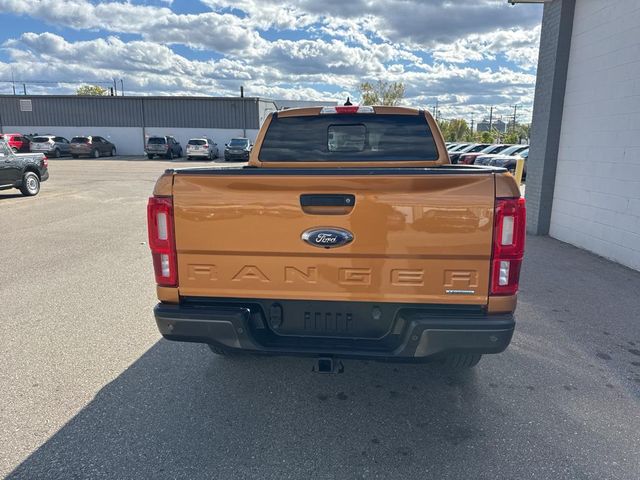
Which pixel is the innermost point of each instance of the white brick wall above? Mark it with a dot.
(596, 203)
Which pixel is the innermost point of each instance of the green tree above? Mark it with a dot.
(487, 137)
(454, 130)
(93, 90)
(382, 93)
(512, 137)
(524, 132)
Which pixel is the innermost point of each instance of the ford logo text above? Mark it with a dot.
(327, 237)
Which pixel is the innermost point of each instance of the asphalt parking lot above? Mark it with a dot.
(89, 390)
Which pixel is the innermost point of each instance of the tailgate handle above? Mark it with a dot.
(327, 203)
(327, 200)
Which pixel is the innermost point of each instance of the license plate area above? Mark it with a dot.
(322, 319)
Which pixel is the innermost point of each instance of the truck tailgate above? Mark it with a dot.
(417, 238)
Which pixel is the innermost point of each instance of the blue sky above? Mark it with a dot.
(468, 55)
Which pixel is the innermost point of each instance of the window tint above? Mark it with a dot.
(79, 140)
(197, 142)
(157, 140)
(40, 139)
(349, 138)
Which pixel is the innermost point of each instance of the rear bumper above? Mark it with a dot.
(421, 334)
(197, 153)
(236, 156)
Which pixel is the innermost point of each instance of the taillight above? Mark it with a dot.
(509, 231)
(162, 240)
(45, 162)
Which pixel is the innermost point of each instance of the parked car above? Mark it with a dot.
(509, 162)
(507, 152)
(166, 146)
(16, 141)
(237, 149)
(458, 147)
(470, 157)
(474, 147)
(202, 147)
(24, 171)
(50, 145)
(322, 278)
(92, 146)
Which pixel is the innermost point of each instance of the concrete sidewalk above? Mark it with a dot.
(572, 300)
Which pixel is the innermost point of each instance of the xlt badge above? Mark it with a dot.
(328, 237)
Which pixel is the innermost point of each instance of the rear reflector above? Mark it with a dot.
(348, 109)
(162, 240)
(509, 231)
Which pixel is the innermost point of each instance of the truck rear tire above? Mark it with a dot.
(461, 360)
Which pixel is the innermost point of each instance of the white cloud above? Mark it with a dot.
(320, 50)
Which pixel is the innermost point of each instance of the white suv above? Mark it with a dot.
(202, 147)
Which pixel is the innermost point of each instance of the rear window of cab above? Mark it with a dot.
(348, 138)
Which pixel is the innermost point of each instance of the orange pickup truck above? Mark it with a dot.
(348, 234)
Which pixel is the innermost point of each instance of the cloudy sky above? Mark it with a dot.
(467, 54)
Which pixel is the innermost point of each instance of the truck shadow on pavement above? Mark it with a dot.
(181, 412)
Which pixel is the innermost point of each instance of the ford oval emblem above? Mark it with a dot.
(328, 237)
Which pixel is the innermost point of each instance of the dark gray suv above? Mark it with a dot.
(167, 147)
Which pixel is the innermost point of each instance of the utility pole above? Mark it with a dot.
(24, 87)
(115, 88)
(515, 116)
(472, 123)
(13, 82)
(491, 119)
(121, 87)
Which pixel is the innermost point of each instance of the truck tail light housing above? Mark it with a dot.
(162, 240)
(509, 231)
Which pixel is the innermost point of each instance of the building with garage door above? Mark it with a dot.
(583, 180)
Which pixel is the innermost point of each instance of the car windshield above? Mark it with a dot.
(458, 148)
(492, 149)
(157, 140)
(79, 140)
(513, 149)
(349, 138)
(197, 142)
(40, 139)
(475, 148)
(239, 142)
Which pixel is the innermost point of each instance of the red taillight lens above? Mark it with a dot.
(162, 240)
(45, 162)
(509, 231)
